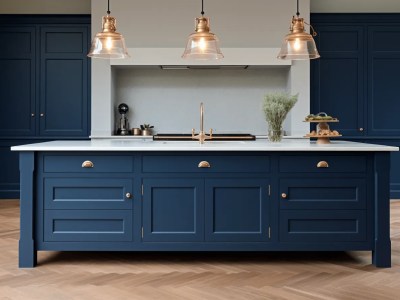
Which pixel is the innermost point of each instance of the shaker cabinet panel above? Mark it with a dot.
(17, 81)
(88, 226)
(337, 79)
(173, 210)
(64, 90)
(237, 209)
(383, 80)
(323, 226)
(88, 193)
(44, 83)
(323, 193)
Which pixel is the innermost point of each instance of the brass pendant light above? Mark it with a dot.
(202, 44)
(298, 44)
(108, 43)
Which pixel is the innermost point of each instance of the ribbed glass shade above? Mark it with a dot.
(202, 45)
(108, 43)
(298, 45)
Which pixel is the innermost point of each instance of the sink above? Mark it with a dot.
(215, 137)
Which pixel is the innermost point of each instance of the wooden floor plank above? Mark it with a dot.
(209, 276)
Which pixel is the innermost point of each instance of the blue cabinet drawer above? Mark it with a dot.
(217, 163)
(88, 226)
(88, 193)
(322, 193)
(88, 163)
(322, 226)
(316, 163)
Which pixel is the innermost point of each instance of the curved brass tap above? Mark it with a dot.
(202, 136)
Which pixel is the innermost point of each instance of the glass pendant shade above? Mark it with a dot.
(108, 43)
(202, 44)
(298, 44)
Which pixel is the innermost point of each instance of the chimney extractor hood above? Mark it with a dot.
(204, 67)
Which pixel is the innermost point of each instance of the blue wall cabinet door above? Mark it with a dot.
(337, 79)
(383, 80)
(64, 94)
(356, 78)
(237, 209)
(17, 81)
(173, 210)
(44, 84)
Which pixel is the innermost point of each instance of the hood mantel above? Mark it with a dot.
(261, 57)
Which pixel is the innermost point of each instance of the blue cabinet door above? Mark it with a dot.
(337, 79)
(323, 193)
(64, 93)
(236, 209)
(383, 80)
(323, 226)
(88, 193)
(17, 81)
(173, 210)
(88, 225)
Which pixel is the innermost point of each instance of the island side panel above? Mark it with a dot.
(27, 250)
(381, 255)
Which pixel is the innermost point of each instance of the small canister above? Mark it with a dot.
(136, 131)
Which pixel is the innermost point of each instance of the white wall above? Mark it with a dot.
(157, 24)
(45, 7)
(355, 6)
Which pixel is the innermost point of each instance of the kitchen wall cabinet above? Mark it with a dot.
(356, 78)
(44, 84)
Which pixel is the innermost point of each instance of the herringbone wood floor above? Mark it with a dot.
(278, 276)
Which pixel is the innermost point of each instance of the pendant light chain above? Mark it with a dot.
(108, 8)
(202, 7)
(297, 13)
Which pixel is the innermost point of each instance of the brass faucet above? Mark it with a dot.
(202, 136)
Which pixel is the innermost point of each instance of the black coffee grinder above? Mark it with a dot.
(123, 125)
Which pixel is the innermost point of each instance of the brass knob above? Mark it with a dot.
(322, 164)
(42, 114)
(87, 164)
(361, 129)
(204, 164)
(128, 195)
(284, 196)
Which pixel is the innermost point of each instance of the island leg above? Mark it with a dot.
(381, 255)
(27, 250)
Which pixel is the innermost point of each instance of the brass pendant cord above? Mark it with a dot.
(202, 7)
(108, 8)
(297, 13)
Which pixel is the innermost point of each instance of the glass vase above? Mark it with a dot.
(275, 136)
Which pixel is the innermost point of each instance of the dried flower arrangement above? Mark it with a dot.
(276, 107)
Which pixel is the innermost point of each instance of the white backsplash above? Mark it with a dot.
(170, 99)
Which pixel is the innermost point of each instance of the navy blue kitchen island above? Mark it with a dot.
(222, 196)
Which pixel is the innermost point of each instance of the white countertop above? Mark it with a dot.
(150, 145)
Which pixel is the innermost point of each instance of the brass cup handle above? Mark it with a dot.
(87, 164)
(322, 164)
(204, 164)
(284, 195)
(128, 195)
